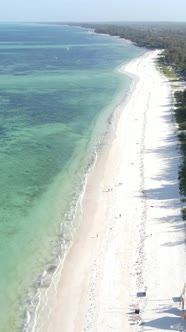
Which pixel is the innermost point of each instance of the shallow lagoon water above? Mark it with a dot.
(58, 86)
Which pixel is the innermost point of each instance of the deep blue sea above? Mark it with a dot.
(58, 87)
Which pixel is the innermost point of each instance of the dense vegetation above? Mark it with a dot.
(180, 115)
(171, 38)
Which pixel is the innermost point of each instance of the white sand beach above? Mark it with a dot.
(132, 237)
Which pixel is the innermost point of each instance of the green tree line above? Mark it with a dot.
(180, 115)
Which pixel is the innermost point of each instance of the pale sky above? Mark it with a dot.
(92, 10)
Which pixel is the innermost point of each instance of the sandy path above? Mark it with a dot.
(131, 237)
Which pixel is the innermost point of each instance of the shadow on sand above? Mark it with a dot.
(168, 322)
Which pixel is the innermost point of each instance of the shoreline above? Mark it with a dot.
(104, 268)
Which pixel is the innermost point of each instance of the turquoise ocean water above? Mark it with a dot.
(58, 87)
